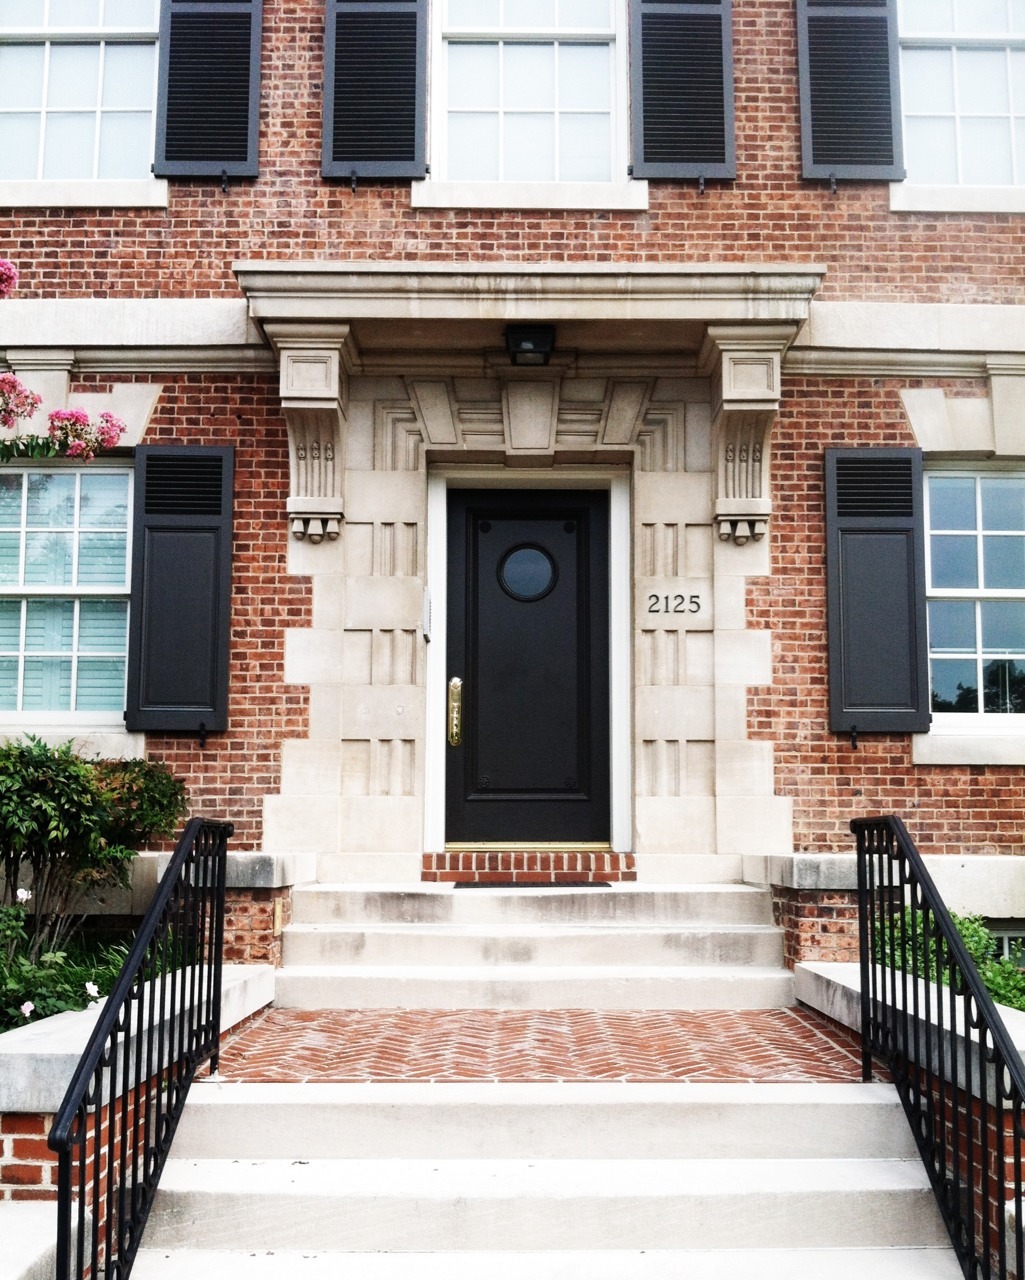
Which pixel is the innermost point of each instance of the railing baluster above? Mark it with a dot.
(114, 1128)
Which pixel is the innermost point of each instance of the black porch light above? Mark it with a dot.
(530, 343)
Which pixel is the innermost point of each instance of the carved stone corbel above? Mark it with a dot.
(744, 363)
(315, 367)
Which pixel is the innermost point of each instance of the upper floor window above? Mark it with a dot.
(963, 91)
(530, 92)
(64, 585)
(77, 88)
(976, 590)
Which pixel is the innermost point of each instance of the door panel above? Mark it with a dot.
(528, 635)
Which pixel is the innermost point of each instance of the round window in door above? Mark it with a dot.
(527, 573)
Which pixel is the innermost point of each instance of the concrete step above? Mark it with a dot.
(428, 1205)
(612, 1264)
(690, 904)
(565, 1121)
(535, 944)
(533, 987)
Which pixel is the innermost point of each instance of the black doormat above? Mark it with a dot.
(522, 884)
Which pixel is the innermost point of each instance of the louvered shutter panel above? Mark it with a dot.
(375, 89)
(681, 88)
(181, 590)
(850, 89)
(209, 100)
(875, 568)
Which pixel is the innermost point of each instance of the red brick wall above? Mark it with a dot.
(817, 924)
(948, 809)
(28, 1169)
(253, 922)
(230, 776)
(768, 214)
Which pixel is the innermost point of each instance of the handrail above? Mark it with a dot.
(927, 1015)
(160, 1023)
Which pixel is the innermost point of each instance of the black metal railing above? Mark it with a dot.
(927, 1015)
(159, 1024)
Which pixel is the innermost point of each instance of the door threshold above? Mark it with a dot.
(528, 846)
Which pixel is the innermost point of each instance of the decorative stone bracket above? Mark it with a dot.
(316, 362)
(744, 362)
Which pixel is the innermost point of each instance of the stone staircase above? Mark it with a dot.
(632, 1181)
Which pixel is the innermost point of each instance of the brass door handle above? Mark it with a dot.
(455, 712)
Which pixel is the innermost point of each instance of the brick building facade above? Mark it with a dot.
(717, 325)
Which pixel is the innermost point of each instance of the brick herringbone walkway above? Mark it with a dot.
(407, 1045)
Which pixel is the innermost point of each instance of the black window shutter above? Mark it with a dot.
(208, 107)
(375, 89)
(681, 88)
(181, 590)
(848, 54)
(875, 569)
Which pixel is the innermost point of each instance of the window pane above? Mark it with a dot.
(981, 17)
(927, 15)
(952, 626)
(1003, 626)
(102, 559)
(529, 71)
(954, 561)
(1003, 685)
(49, 626)
(986, 152)
(125, 145)
(10, 502)
(10, 550)
(74, 80)
(101, 684)
(982, 81)
(74, 13)
(10, 625)
(584, 77)
(140, 14)
(21, 13)
(584, 13)
(530, 14)
(8, 684)
(19, 146)
(21, 75)
(1018, 80)
(128, 77)
(1003, 563)
(47, 684)
(928, 81)
(48, 559)
(473, 147)
(931, 150)
(473, 13)
(102, 626)
(585, 148)
(472, 76)
(951, 502)
(51, 501)
(529, 148)
(1018, 16)
(954, 685)
(68, 152)
(104, 501)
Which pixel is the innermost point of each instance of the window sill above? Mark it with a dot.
(968, 748)
(91, 737)
(102, 193)
(529, 195)
(906, 198)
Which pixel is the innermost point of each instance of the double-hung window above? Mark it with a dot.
(64, 587)
(77, 89)
(976, 590)
(963, 95)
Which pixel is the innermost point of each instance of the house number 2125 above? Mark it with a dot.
(674, 604)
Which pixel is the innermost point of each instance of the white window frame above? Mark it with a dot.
(87, 192)
(79, 721)
(979, 724)
(436, 191)
(913, 197)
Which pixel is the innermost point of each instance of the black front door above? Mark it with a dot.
(528, 631)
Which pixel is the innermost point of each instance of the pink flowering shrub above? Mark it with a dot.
(8, 278)
(75, 435)
(16, 401)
